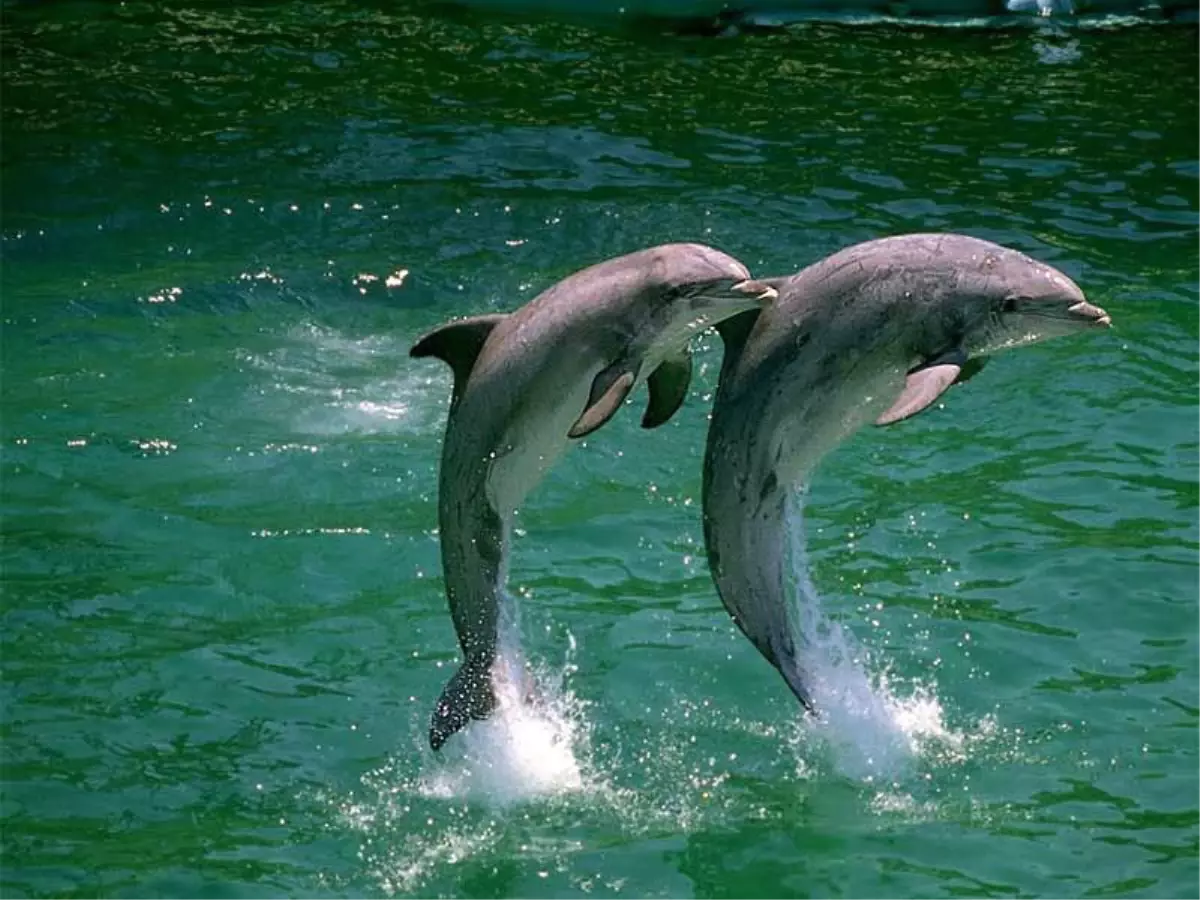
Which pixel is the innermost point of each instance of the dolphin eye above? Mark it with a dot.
(1011, 304)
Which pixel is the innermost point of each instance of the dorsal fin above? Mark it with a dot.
(458, 344)
(734, 332)
(736, 329)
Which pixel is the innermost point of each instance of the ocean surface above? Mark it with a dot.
(223, 621)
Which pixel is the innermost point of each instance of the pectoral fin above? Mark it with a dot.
(924, 385)
(668, 385)
(609, 390)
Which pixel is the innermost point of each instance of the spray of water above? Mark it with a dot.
(876, 733)
(325, 384)
(421, 815)
(530, 748)
(494, 788)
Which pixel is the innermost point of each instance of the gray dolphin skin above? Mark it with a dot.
(874, 333)
(528, 382)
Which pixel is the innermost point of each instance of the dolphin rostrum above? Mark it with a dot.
(525, 383)
(874, 333)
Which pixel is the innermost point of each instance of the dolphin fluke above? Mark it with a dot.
(468, 696)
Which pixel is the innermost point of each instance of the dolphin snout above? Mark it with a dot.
(1090, 314)
(757, 290)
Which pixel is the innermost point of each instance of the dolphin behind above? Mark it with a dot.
(875, 333)
(528, 382)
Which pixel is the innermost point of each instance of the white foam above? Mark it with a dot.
(527, 749)
(405, 868)
(876, 733)
(421, 815)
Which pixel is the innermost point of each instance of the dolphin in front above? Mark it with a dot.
(525, 384)
(874, 333)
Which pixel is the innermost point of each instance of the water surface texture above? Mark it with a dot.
(223, 622)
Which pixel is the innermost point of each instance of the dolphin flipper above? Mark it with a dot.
(668, 385)
(924, 385)
(467, 696)
(458, 344)
(609, 390)
(973, 367)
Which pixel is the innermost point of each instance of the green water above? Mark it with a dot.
(223, 626)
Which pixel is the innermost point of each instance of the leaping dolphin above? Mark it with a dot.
(525, 383)
(874, 333)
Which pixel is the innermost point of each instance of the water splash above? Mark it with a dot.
(326, 383)
(421, 816)
(876, 733)
(520, 783)
(532, 745)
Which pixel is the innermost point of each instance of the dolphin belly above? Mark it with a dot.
(767, 437)
(485, 477)
(536, 438)
(745, 534)
(529, 382)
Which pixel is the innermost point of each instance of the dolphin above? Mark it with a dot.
(528, 382)
(874, 333)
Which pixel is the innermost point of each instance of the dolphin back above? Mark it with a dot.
(458, 344)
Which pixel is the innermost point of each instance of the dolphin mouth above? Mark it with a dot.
(1090, 314)
(758, 291)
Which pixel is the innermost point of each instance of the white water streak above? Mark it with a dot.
(876, 735)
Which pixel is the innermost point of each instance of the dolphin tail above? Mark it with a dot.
(467, 696)
(780, 649)
(791, 673)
